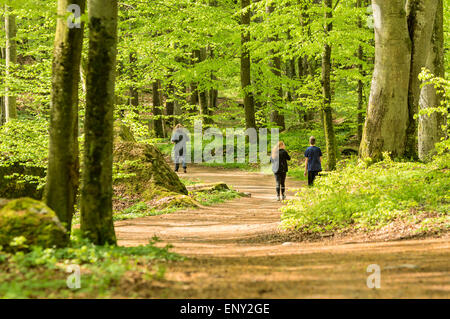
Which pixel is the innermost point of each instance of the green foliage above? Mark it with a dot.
(370, 197)
(42, 271)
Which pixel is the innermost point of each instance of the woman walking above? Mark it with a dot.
(279, 160)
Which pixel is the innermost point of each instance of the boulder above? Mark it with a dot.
(208, 187)
(144, 175)
(32, 220)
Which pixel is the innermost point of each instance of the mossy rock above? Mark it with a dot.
(33, 220)
(177, 201)
(14, 187)
(144, 174)
(211, 187)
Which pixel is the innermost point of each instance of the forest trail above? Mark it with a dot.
(230, 256)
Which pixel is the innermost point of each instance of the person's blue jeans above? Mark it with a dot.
(180, 160)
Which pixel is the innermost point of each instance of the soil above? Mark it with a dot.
(237, 250)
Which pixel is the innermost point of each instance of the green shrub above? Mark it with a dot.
(369, 196)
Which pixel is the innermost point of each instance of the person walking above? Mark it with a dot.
(180, 138)
(313, 161)
(279, 160)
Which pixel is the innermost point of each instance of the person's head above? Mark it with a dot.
(279, 146)
(178, 126)
(312, 140)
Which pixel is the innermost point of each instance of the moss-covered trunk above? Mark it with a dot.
(249, 106)
(430, 131)
(96, 202)
(421, 16)
(11, 59)
(387, 114)
(326, 91)
(63, 159)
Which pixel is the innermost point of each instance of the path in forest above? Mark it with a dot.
(229, 257)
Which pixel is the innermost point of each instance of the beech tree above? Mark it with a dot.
(96, 192)
(326, 88)
(402, 41)
(249, 105)
(430, 125)
(11, 59)
(63, 160)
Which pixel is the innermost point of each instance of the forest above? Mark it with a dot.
(92, 93)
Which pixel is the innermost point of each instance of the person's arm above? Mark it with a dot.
(306, 166)
(288, 157)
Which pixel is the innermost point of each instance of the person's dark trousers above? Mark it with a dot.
(281, 180)
(311, 177)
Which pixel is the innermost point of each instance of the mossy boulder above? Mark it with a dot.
(32, 222)
(142, 174)
(18, 180)
(208, 188)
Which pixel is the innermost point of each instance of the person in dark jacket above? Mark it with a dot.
(180, 138)
(313, 164)
(279, 160)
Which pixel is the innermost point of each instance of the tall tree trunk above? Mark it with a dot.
(2, 98)
(326, 87)
(360, 85)
(249, 106)
(421, 16)
(133, 92)
(276, 116)
(157, 112)
(202, 93)
(193, 87)
(63, 160)
(430, 131)
(170, 103)
(387, 114)
(213, 93)
(96, 202)
(11, 59)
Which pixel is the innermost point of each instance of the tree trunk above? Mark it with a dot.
(157, 112)
(63, 159)
(96, 202)
(2, 98)
(421, 16)
(249, 106)
(170, 103)
(276, 116)
(133, 92)
(360, 86)
(387, 114)
(11, 59)
(430, 131)
(326, 87)
(202, 93)
(193, 86)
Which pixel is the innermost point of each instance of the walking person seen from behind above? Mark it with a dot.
(313, 162)
(180, 138)
(279, 160)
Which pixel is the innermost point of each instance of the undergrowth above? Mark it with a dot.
(45, 273)
(371, 196)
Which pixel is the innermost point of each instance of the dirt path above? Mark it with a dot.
(228, 261)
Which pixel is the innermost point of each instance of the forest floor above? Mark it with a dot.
(236, 250)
